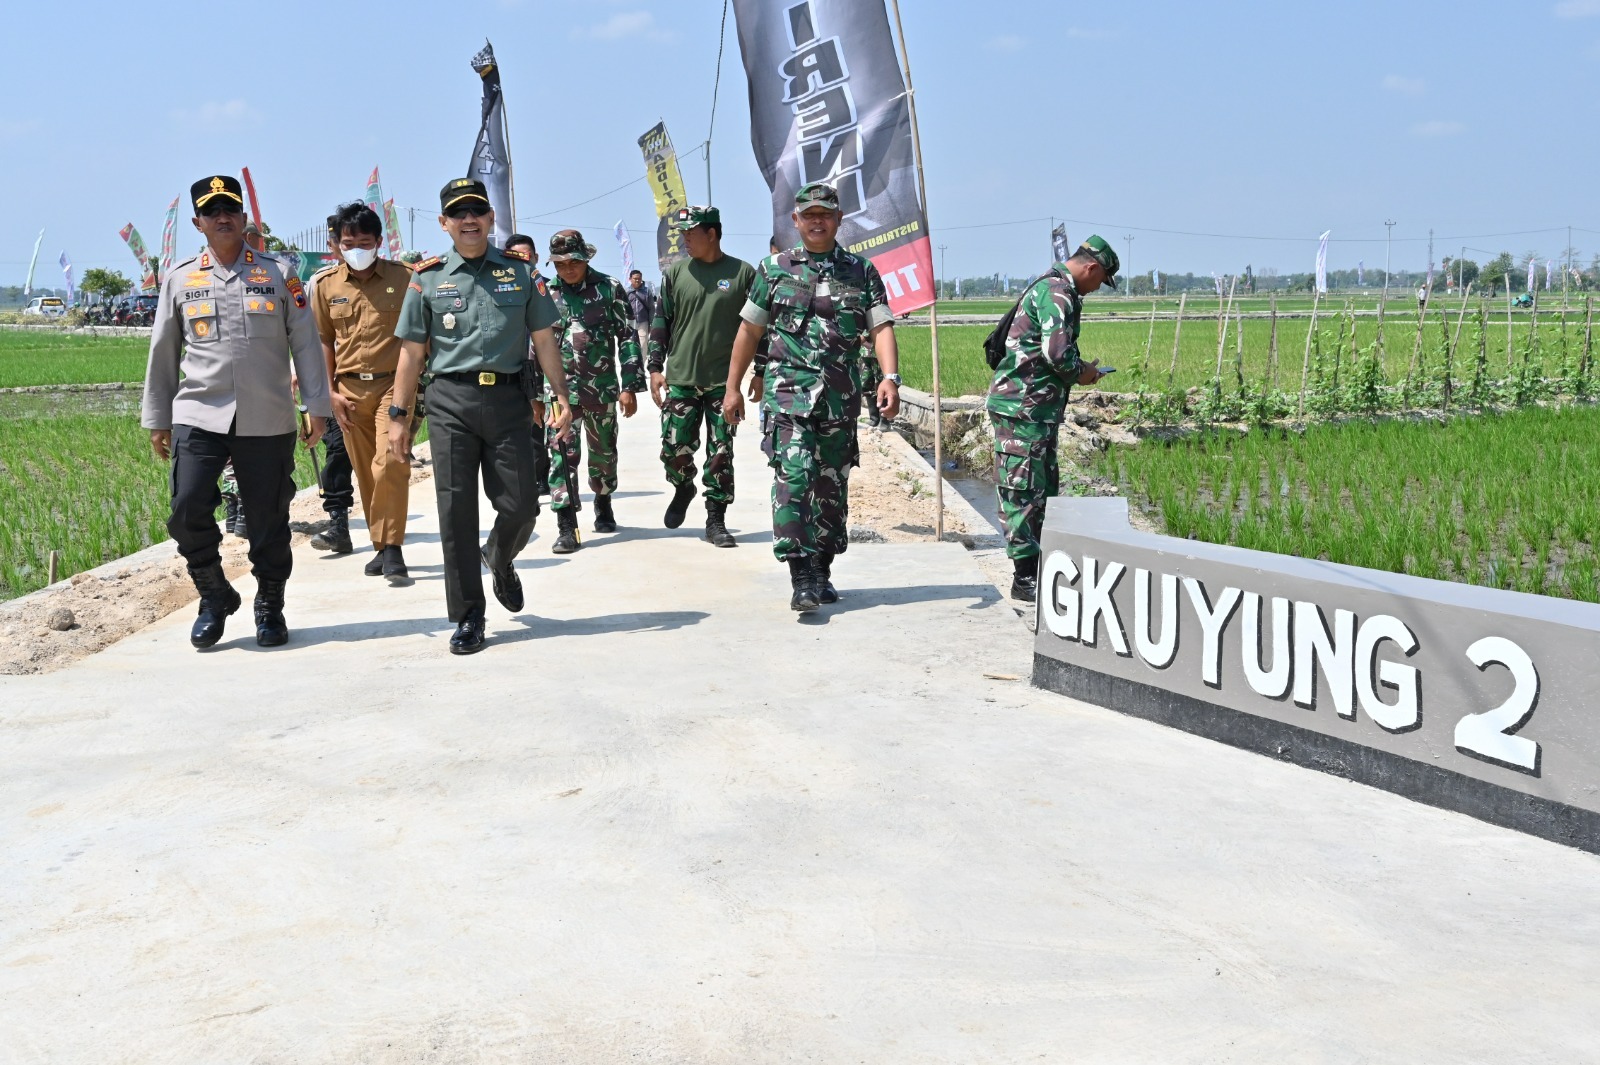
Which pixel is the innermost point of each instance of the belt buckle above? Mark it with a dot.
(367, 376)
(486, 378)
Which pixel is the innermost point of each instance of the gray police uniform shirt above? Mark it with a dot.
(232, 330)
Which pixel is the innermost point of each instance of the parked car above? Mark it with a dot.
(46, 307)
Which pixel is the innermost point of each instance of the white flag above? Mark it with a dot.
(66, 270)
(1155, 280)
(625, 242)
(27, 286)
(1533, 272)
(1322, 261)
(1549, 273)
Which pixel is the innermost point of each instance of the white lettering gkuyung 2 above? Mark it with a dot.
(1285, 647)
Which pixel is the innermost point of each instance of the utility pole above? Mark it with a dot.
(1566, 274)
(1429, 281)
(411, 213)
(944, 279)
(1389, 247)
(1126, 271)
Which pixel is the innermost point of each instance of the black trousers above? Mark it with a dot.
(485, 429)
(264, 468)
(338, 493)
(541, 456)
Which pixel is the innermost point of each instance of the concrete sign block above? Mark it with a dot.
(1471, 699)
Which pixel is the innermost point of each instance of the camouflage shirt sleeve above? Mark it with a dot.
(758, 301)
(661, 327)
(1051, 310)
(633, 379)
(878, 312)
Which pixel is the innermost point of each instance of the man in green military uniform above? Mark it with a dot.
(691, 345)
(474, 310)
(819, 300)
(1028, 399)
(594, 325)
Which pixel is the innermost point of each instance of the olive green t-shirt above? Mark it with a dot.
(476, 313)
(700, 305)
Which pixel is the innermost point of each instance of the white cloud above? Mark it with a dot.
(1438, 128)
(1409, 86)
(1008, 42)
(1578, 9)
(624, 24)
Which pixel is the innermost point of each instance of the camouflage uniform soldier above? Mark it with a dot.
(594, 327)
(819, 300)
(696, 320)
(1028, 399)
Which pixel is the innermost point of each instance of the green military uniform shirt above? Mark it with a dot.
(818, 307)
(594, 327)
(476, 313)
(1041, 360)
(696, 320)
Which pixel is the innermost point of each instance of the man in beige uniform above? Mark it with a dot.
(357, 306)
(229, 322)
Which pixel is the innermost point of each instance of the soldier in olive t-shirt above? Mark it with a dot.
(691, 344)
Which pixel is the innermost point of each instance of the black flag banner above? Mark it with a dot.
(828, 103)
(491, 161)
(1059, 248)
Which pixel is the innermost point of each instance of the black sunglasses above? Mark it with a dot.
(211, 210)
(473, 210)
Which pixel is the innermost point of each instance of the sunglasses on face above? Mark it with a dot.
(468, 210)
(211, 210)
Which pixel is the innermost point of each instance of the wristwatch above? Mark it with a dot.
(892, 377)
(398, 412)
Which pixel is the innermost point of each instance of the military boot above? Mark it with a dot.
(240, 530)
(218, 599)
(716, 528)
(336, 537)
(230, 503)
(804, 581)
(271, 629)
(604, 520)
(567, 538)
(678, 509)
(823, 566)
(1025, 584)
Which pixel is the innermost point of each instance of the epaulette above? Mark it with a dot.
(330, 268)
(428, 263)
(517, 253)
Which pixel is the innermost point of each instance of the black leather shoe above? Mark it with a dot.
(394, 566)
(604, 520)
(804, 581)
(218, 600)
(507, 586)
(468, 639)
(822, 565)
(678, 509)
(271, 629)
(374, 566)
(568, 540)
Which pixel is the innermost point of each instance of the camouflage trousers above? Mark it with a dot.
(871, 376)
(599, 428)
(684, 411)
(1025, 476)
(810, 459)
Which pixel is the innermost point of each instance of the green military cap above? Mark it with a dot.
(1101, 252)
(817, 194)
(462, 190)
(689, 218)
(569, 244)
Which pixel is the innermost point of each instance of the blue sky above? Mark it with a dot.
(1239, 120)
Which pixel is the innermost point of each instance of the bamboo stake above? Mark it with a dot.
(1510, 344)
(1222, 324)
(1305, 367)
(1177, 332)
(1416, 348)
(933, 314)
(1238, 347)
(1272, 347)
(1588, 336)
(1455, 345)
(54, 567)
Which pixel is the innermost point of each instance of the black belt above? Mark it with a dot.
(483, 377)
(369, 376)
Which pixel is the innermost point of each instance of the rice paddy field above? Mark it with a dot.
(1508, 501)
(42, 357)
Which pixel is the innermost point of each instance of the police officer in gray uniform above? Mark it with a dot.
(231, 322)
(475, 308)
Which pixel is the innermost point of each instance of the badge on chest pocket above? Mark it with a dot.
(200, 321)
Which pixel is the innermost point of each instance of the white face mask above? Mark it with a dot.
(360, 258)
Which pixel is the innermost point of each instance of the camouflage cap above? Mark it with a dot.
(1103, 253)
(688, 218)
(569, 244)
(817, 194)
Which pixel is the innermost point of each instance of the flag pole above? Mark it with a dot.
(933, 310)
(505, 135)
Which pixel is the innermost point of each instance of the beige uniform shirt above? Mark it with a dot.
(357, 318)
(232, 330)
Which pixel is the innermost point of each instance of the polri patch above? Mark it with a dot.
(298, 291)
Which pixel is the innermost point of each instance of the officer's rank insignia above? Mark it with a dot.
(259, 276)
(205, 260)
(432, 260)
(249, 257)
(449, 320)
(297, 290)
(196, 279)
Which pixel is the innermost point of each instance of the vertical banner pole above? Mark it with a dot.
(933, 311)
